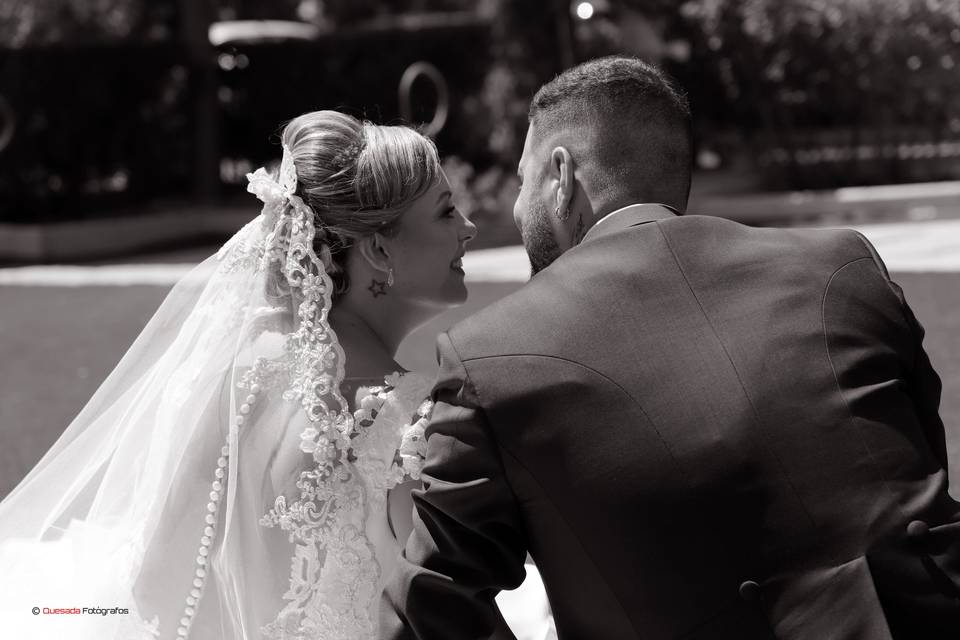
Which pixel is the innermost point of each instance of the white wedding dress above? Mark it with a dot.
(326, 590)
(338, 595)
(219, 484)
(324, 582)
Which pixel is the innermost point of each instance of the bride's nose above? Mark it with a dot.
(469, 231)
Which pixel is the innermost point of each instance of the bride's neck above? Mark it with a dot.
(371, 328)
(369, 342)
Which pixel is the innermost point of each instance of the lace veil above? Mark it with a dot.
(151, 501)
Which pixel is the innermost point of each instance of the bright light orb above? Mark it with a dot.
(584, 10)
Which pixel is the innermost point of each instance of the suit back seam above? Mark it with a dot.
(736, 373)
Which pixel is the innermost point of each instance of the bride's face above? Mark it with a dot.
(427, 248)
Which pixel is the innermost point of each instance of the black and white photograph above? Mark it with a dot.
(503, 319)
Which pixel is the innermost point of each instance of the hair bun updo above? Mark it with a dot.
(358, 178)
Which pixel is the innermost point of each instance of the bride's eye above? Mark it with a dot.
(448, 213)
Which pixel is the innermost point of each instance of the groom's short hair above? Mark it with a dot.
(630, 114)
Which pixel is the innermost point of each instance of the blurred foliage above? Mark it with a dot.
(112, 149)
(33, 23)
(813, 93)
(831, 92)
(486, 197)
(491, 78)
(523, 53)
(811, 63)
(262, 85)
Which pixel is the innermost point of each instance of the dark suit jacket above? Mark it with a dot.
(698, 430)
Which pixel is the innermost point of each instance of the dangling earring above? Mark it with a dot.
(378, 287)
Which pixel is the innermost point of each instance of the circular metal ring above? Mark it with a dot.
(9, 119)
(411, 75)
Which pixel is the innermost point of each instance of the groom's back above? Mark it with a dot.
(715, 431)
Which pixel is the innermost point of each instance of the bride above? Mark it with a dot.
(245, 471)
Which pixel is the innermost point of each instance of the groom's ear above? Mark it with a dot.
(561, 170)
(373, 249)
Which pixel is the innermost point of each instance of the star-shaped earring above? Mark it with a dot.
(377, 288)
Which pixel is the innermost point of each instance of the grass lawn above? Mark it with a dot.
(57, 345)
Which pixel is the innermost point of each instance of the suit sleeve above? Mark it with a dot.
(923, 382)
(467, 542)
(925, 386)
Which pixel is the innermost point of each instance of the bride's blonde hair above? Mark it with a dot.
(358, 177)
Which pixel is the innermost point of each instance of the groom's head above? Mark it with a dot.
(603, 135)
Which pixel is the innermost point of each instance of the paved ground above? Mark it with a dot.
(63, 329)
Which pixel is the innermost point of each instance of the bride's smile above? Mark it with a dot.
(428, 249)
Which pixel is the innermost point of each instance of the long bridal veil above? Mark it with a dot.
(144, 518)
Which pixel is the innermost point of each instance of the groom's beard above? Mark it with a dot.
(538, 240)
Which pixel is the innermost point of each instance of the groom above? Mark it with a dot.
(697, 429)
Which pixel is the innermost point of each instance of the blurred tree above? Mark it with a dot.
(879, 73)
(95, 94)
(527, 42)
(336, 12)
(31, 23)
(820, 92)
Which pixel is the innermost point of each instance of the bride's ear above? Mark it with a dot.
(373, 249)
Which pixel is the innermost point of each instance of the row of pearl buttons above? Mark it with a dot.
(203, 553)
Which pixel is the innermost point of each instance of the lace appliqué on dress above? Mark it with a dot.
(335, 576)
(278, 246)
(413, 442)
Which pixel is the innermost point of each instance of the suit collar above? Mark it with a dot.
(629, 216)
